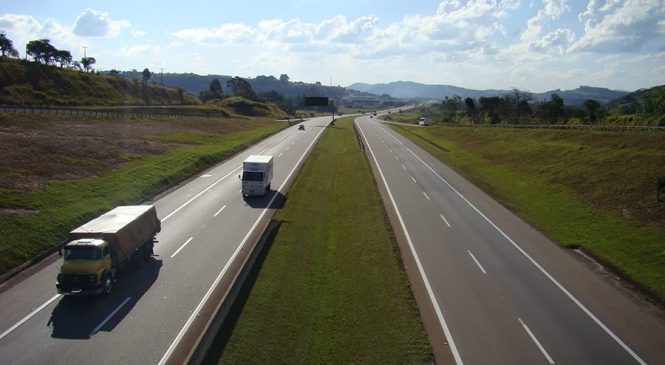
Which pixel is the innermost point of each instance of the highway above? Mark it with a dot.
(499, 290)
(205, 224)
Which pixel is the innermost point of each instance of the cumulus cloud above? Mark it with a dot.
(554, 8)
(621, 26)
(93, 23)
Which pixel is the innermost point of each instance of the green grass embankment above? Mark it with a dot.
(332, 288)
(588, 189)
(34, 221)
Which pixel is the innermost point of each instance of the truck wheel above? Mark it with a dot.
(108, 284)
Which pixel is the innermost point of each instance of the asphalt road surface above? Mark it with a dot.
(204, 222)
(502, 292)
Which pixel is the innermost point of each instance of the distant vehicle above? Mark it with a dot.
(100, 248)
(256, 175)
(301, 127)
(423, 121)
(371, 116)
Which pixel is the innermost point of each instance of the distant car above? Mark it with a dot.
(371, 116)
(301, 127)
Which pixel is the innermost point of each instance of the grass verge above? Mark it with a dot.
(34, 221)
(332, 288)
(594, 190)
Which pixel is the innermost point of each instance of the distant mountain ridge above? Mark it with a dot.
(409, 90)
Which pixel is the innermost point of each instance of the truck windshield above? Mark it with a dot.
(83, 253)
(252, 176)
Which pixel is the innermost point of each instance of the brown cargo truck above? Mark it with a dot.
(100, 248)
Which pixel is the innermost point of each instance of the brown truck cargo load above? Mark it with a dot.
(125, 228)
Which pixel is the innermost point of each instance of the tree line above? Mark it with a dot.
(42, 51)
(516, 107)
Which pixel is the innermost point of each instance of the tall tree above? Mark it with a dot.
(7, 46)
(215, 86)
(146, 75)
(519, 101)
(592, 107)
(87, 63)
(551, 111)
(64, 58)
(493, 107)
(41, 50)
(450, 107)
(284, 78)
(241, 87)
(471, 109)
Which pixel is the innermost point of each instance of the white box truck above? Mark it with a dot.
(423, 121)
(256, 175)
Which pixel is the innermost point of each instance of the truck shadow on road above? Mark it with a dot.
(262, 202)
(81, 317)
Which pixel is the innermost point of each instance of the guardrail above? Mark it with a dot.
(622, 128)
(109, 113)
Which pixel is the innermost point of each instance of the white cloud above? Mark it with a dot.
(93, 23)
(554, 8)
(621, 26)
(228, 33)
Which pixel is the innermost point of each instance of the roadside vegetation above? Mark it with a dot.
(589, 189)
(59, 171)
(332, 288)
(641, 108)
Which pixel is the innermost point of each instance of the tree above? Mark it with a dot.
(450, 107)
(551, 111)
(284, 78)
(592, 107)
(7, 46)
(146, 75)
(87, 63)
(41, 50)
(215, 86)
(64, 58)
(241, 87)
(519, 100)
(492, 107)
(471, 109)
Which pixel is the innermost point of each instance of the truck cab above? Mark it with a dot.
(87, 268)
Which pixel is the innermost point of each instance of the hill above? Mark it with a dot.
(30, 83)
(408, 89)
(630, 103)
(577, 97)
(194, 84)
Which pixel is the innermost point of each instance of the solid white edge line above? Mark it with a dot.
(196, 311)
(109, 317)
(426, 196)
(12, 328)
(219, 211)
(476, 261)
(183, 246)
(533, 337)
(430, 292)
(534, 262)
(445, 220)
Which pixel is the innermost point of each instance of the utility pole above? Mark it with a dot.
(85, 55)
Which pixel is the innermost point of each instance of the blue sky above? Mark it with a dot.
(536, 45)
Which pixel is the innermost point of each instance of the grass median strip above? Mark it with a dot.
(332, 288)
(588, 189)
